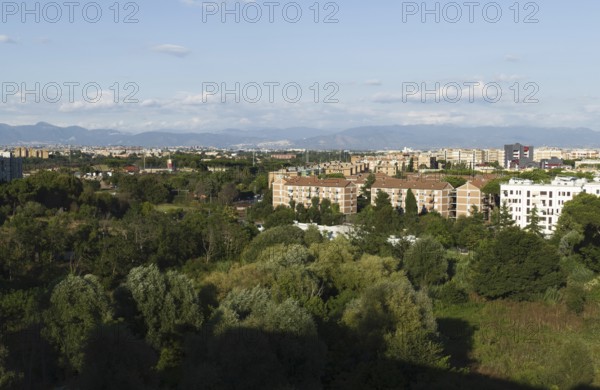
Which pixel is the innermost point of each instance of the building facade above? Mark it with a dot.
(302, 190)
(470, 196)
(430, 195)
(522, 196)
(11, 167)
(518, 156)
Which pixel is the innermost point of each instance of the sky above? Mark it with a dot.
(189, 65)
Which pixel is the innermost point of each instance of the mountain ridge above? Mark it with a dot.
(391, 137)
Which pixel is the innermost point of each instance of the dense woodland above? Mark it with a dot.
(157, 283)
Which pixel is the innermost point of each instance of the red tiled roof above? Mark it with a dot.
(406, 184)
(313, 181)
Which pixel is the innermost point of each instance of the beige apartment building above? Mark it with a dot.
(576, 154)
(31, 153)
(346, 169)
(430, 195)
(545, 153)
(293, 172)
(302, 189)
(386, 167)
(471, 195)
(493, 155)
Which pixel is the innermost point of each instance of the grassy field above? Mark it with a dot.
(534, 343)
(166, 207)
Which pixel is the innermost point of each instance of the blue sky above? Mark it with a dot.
(370, 60)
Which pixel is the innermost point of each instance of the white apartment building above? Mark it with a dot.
(521, 196)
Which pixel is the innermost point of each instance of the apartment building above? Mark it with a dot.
(386, 167)
(346, 169)
(470, 195)
(302, 189)
(467, 157)
(425, 160)
(518, 156)
(11, 167)
(430, 195)
(493, 155)
(283, 156)
(31, 153)
(546, 153)
(293, 172)
(577, 154)
(521, 196)
(589, 164)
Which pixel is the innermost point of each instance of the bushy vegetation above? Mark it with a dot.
(117, 290)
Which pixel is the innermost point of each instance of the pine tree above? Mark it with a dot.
(534, 222)
(501, 217)
(410, 204)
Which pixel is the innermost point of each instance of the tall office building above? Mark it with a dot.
(10, 167)
(518, 156)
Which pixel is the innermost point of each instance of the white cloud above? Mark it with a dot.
(386, 98)
(174, 50)
(373, 82)
(511, 58)
(592, 109)
(6, 39)
(507, 77)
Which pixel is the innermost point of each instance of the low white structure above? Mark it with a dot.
(329, 232)
(521, 196)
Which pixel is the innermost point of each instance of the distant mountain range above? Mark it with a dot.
(359, 138)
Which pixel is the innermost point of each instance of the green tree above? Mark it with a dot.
(470, 231)
(582, 214)
(426, 262)
(411, 164)
(8, 379)
(256, 343)
(385, 218)
(410, 205)
(77, 306)
(534, 222)
(455, 181)
(312, 235)
(115, 359)
(393, 319)
(228, 193)
(314, 211)
(493, 186)
(280, 217)
(167, 302)
(438, 227)
(301, 213)
(501, 218)
(517, 265)
(276, 235)
(366, 188)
